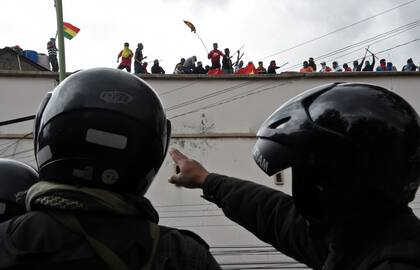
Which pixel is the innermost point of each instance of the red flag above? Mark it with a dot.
(249, 69)
(215, 71)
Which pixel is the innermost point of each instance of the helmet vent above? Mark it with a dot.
(277, 124)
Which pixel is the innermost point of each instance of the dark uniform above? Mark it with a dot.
(38, 240)
(382, 242)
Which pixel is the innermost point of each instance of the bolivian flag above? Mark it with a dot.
(70, 30)
(190, 25)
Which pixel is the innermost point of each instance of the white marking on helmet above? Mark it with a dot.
(106, 139)
(86, 173)
(116, 97)
(261, 161)
(110, 176)
(44, 155)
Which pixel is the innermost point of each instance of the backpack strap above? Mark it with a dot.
(110, 258)
(155, 234)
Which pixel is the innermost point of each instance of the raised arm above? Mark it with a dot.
(267, 213)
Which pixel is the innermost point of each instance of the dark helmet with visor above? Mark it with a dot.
(15, 178)
(353, 148)
(102, 128)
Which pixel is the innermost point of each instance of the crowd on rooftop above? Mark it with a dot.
(225, 63)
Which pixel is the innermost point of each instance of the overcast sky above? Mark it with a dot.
(263, 26)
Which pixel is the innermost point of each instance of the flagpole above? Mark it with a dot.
(207, 51)
(60, 36)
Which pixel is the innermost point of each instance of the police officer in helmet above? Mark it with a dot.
(354, 154)
(100, 138)
(15, 179)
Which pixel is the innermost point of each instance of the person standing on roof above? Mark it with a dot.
(261, 69)
(179, 68)
(311, 63)
(324, 67)
(199, 68)
(346, 67)
(382, 65)
(214, 55)
(52, 54)
(357, 66)
(126, 54)
(138, 58)
(227, 62)
(272, 67)
(410, 66)
(156, 69)
(189, 64)
(336, 67)
(368, 65)
(306, 68)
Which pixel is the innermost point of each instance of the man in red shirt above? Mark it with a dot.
(215, 55)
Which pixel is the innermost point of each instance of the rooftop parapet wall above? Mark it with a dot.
(204, 105)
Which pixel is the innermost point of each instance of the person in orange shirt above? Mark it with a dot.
(306, 68)
(126, 54)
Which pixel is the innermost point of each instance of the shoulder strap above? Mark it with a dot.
(112, 260)
(155, 234)
(109, 257)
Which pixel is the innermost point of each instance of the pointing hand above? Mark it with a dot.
(191, 175)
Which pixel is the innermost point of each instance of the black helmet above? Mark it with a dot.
(102, 128)
(353, 148)
(15, 178)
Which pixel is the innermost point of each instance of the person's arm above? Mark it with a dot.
(119, 55)
(372, 66)
(267, 213)
(360, 66)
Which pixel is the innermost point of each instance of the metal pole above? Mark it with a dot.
(60, 37)
(20, 67)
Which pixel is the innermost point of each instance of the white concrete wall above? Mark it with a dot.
(214, 121)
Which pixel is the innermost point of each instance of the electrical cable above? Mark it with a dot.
(339, 29)
(230, 99)
(370, 41)
(212, 94)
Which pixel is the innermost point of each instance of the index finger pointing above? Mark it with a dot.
(177, 155)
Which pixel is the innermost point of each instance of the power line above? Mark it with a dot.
(338, 30)
(212, 94)
(177, 89)
(18, 153)
(370, 41)
(397, 46)
(4, 149)
(231, 99)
